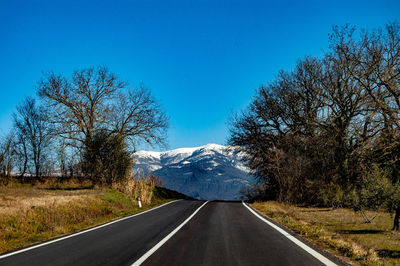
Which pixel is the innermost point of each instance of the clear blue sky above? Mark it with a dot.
(202, 60)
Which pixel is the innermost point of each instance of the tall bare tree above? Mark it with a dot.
(21, 147)
(34, 133)
(328, 122)
(7, 155)
(95, 102)
(95, 99)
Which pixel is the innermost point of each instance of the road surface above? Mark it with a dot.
(192, 233)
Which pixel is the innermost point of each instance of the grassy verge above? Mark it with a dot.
(30, 214)
(341, 231)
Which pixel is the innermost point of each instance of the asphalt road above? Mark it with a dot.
(220, 233)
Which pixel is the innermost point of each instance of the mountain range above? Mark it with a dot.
(210, 172)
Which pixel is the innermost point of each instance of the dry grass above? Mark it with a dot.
(135, 188)
(31, 214)
(18, 199)
(342, 231)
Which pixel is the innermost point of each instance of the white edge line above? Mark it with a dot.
(165, 239)
(82, 232)
(311, 251)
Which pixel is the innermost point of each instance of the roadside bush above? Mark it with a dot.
(106, 160)
(372, 193)
(333, 195)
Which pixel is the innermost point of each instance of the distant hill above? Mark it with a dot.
(208, 172)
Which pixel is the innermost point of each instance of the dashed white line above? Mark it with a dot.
(311, 251)
(165, 239)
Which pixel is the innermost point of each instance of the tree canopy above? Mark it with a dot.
(96, 99)
(319, 133)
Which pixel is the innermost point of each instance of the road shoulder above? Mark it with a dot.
(336, 259)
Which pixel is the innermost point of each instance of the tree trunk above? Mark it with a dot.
(37, 169)
(22, 174)
(396, 219)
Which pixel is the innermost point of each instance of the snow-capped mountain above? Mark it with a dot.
(208, 172)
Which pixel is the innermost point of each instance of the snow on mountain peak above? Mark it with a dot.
(209, 172)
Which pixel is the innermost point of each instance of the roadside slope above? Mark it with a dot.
(119, 243)
(341, 231)
(30, 215)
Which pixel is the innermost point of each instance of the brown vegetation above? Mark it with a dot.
(34, 213)
(341, 231)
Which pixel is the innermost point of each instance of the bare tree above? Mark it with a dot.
(328, 122)
(22, 154)
(34, 133)
(7, 155)
(95, 99)
(95, 102)
(137, 116)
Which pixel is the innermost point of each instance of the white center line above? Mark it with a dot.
(311, 251)
(165, 239)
